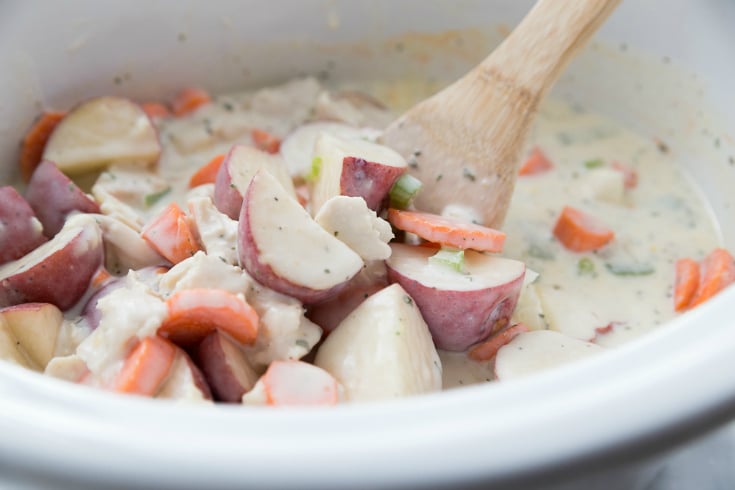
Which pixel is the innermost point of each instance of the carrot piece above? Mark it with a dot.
(188, 100)
(486, 350)
(100, 277)
(581, 232)
(155, 109)
(536, 163)
(717, 271)
(146, 367)
(448, 231)
(630, 176)
(35, 140)
(266, 141)
(686, 282)
(195, 313)
(298, 383)
(171, 235)
(207, 174)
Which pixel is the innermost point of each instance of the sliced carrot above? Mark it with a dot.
(448, 231)
(536, 163)
(487, 349)
(35, 140)
(266, 141)
(207, 174)
(100, 277)
(630, 176)
(580, 232)
(155, 109)
(146, 367)
(717, 271)
(298, 383)
(188, 100)
(195, 313)
(170, 235)
(686, 283)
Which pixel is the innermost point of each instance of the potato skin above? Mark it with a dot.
(61, 277)
(459, 319)
(53, 195)
(21, 232)
(370, 180)
(220, 360)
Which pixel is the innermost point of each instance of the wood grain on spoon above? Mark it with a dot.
(464, 143)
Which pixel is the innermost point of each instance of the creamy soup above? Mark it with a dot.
(252, 259)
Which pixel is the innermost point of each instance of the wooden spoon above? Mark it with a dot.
(464, 142)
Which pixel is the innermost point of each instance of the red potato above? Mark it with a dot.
(53, 195)
(538, 351)
(57, 272)
(20, 230)
(330, 313)
(36, 327)
(225, 367)
(283, 248)
(102, 131)
(10, 351)
(461, 308)
(298, 147)
(90, 312)
(370, 180)
(237, 170)
(354, 167)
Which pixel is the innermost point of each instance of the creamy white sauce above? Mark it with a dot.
(655, 223)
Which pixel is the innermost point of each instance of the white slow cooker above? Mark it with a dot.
(663, 68)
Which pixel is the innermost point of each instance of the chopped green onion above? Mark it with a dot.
(585, 267)
(596, 163)
(152, 199)
(316, 169)
(633, 269)
(404, 191)
(449, 257)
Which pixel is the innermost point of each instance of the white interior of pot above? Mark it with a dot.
(55, 54)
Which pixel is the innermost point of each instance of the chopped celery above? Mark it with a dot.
(596, 163)
(449, 257)
(404, 191)
(632, 269)
(585, 266)
(152, 199)
(316, 169)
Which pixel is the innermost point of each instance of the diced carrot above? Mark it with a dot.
(686, 283)
(35, 140)
(155, 109)
(536, 163)
(580, 232)
(170, 235)
(188, 100)
(146, 367)
(265, 141)
(207, 174)
(448, 231)
(100, 277)
(298, 383)
(717, 271)
(630, 176)
(487, 349)
(195, 313)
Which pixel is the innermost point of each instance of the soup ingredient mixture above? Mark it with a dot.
(262, 248)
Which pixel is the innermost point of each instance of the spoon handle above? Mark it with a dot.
(535, 53)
